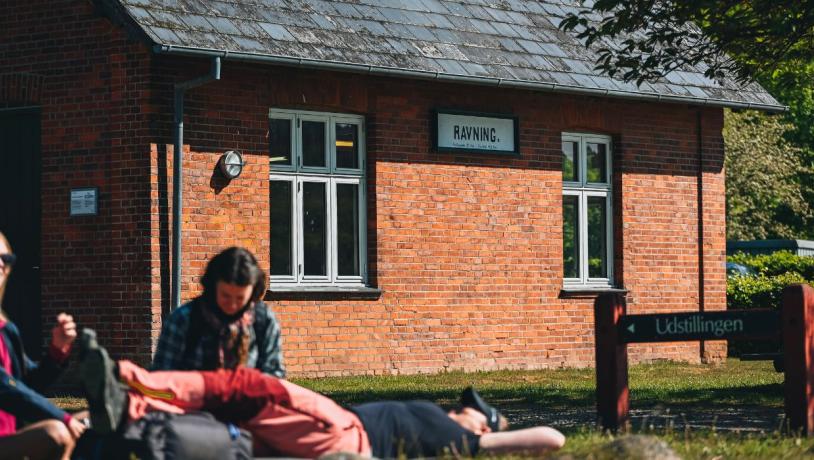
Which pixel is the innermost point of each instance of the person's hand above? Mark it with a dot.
(64, 333)
(76, 428)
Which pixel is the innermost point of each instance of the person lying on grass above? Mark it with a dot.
(288, 420)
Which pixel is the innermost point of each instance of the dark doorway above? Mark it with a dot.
(20, 219)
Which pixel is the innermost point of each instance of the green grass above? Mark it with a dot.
(670, 395)
(659, 388)
(736, 382)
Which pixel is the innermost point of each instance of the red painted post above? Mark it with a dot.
(798, 340)
(612, 394)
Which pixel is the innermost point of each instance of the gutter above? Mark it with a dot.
(453, 78)
(177, 173)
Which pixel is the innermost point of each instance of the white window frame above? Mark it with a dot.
(584, 189)
(295, 222)
(330, 175)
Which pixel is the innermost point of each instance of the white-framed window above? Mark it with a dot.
(317, 197)
(587, 240)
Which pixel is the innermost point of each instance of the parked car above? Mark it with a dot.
(735, 269)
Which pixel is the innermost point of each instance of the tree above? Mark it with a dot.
(764, 195)
(645, 39)
(794, 86)
(771, 41)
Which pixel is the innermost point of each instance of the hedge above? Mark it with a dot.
(778, 263)
(774, 272)
(759, 291)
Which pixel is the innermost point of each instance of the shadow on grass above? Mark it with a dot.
(765, 394)
(558, 398)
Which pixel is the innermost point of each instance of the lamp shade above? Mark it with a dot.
(231, 164)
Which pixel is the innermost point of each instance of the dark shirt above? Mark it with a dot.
(16, 396)
(413, 429)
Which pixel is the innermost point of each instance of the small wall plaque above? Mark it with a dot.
(458, 131)
(84, 201)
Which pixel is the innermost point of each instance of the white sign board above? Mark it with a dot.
(84, 201)
(468, 132)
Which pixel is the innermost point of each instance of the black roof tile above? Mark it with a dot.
(498, 40)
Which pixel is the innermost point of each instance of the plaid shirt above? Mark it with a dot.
(171, 353)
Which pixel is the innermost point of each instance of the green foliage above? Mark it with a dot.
(777, 263)
(775, 272)
(765, 197)
(657, 37)
(758, 291)
(793, 85)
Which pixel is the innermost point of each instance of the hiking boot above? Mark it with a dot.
(495, 420)
(107, 397)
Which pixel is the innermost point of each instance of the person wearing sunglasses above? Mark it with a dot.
(30, 425)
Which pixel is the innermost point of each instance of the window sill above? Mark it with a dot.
(322, 293)
(570, 292)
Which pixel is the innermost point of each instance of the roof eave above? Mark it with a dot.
(477, 80)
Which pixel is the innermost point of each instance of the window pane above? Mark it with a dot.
(570, 236)
(347, 146)
(281, 228)
(280, 142)
(570, 161)
(313, 143)
(597, 237)
(314, 222)
(347, 227)
(597, 163)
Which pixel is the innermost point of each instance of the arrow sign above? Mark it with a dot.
(716, 325)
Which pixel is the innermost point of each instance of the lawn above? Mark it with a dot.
(707, 412)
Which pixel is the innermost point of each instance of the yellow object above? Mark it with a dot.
(168, 395)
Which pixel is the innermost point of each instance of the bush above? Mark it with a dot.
(775, 272)
(761, 291)
(778, 263)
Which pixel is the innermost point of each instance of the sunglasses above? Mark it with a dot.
(8, 259)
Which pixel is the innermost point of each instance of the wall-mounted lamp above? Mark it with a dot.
(231, 164)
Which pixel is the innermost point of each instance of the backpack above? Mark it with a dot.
(166, 436)
(196, 326)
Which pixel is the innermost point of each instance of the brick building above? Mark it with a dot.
(430, 184)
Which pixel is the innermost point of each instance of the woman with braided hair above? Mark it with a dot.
(228, 325)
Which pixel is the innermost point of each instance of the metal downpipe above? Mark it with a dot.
(177, 174)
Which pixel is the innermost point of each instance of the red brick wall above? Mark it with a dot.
(467, 249)
(91, 82)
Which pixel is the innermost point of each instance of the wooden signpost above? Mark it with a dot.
(793, 323)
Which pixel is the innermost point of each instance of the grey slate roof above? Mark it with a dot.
(512, 43)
